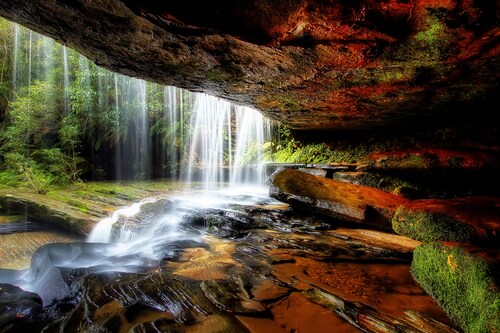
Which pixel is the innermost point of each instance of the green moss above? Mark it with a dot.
(461, 283)
(410, 161)
(394, 74)
(72, 201)
(456, 162)
(427, 45)
(216, 76)
(290, 104)
(434, 33)
(428, 226)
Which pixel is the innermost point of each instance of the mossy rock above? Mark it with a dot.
(427, 226)
(464, 282)
(471, 220)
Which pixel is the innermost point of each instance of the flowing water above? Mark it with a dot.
(208, 143)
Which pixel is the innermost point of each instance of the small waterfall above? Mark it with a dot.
(15, 56)
(118, 149)
(66, 104)
(251, 134)
(208, 146)
(102, 233)
(225, 144)
(174, 100)
(142, 145)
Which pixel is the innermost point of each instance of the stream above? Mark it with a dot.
(229, 260)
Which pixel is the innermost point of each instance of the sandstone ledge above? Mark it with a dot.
(309, 64)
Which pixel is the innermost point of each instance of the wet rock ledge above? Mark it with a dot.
(79, 208)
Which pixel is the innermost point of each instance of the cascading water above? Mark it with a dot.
(203, 141)
(66, 80)
(210, 123)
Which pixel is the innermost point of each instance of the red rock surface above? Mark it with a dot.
(335, 198)
(310, 64)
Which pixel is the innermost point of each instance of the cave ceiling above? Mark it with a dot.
(310, 64)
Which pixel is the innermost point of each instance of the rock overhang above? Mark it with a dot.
(309, 64)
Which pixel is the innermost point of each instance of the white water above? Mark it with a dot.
(210, 144)
(66, 80)
(223, 150)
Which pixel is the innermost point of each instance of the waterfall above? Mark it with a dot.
(118, 150)
(132, 129)
(133, 150)
(251, 133)
(225, 144)
(15, 56)
(210, 124)
(66, 80)
(125, 128)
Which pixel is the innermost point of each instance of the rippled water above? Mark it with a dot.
(137, 237)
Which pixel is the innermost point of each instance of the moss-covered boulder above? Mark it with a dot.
(464, 281)
(471, 220)
(333, 198)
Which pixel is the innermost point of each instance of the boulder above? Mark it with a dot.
(17, 305)
(336, 199)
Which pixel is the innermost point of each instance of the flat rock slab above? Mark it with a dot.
(473, 220)
(335, 198)
(383, 240)
(41, 207)
(17, 248)
(463, 280)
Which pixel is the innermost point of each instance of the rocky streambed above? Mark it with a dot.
(327, 259)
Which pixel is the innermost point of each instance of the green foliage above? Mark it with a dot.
(25, 172)
(462, 283)
(5, 53)
(289, 150)
(36, 127)
(34, 116)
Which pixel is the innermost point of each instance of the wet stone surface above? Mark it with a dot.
(252, 268)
